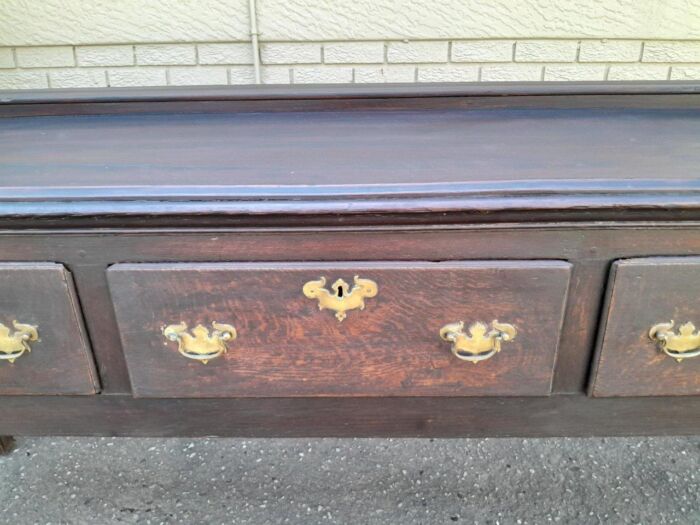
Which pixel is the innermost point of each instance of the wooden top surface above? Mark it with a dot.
(408, 142)
(350, 148)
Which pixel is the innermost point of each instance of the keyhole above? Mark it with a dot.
(340, 292)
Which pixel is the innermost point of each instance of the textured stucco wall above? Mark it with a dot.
(54, 22)
(449, 19)
(88, 43)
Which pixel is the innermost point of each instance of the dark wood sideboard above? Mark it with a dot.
(406, 260)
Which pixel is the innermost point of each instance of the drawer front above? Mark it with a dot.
(292, 334)
(43, 347)
(650, 340)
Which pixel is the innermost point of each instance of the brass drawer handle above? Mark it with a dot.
(481, 343)
(342, 298)
(199, 345)
(14, 345)
(682, 345)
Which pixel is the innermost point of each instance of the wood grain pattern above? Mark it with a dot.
(350, 155)
(645, 292)
(589, 247)
(575, 415)
(218, 99)
(42, 294)
(340, 148)
(584, 173)
(555, 207)
(287, 347)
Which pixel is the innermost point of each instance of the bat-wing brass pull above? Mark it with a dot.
(200, 345)
(342, 298)
(15, 344)
(480, 343)
(682, 345)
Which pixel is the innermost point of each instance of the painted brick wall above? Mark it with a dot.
(92, 43)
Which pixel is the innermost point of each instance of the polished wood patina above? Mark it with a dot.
(174, 208)
(287, 346)
(659, 293)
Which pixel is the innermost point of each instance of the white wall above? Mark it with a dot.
(76, 43)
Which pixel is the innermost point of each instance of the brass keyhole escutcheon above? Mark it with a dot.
(341, 298)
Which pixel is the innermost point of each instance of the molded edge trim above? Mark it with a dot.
(348, 91)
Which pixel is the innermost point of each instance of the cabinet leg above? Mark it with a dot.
(6, 444)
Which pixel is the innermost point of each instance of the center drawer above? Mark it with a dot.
(340, 329)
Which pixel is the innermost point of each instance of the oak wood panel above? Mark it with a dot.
(92, 288)
(358, 148)
(341, 155)
(217, 99)
(653, 206)
(575, 415)
(562, 210)
(643, 293)
(185, 106)
(590, 247)
(42, 294)
(287, 347)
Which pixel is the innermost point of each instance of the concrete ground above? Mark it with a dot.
(363, 481)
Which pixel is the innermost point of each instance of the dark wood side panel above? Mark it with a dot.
(287, 347)
(643, 293)
(351, 417)
(60, 362)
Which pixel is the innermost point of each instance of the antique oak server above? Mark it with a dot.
(438, 260)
